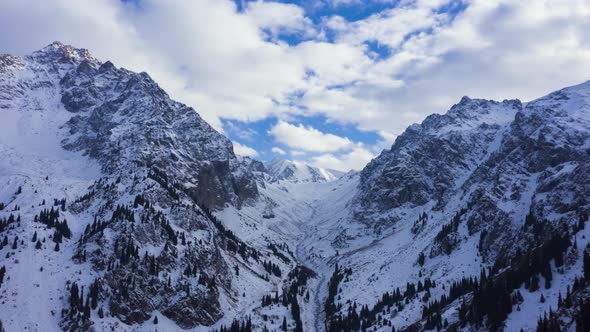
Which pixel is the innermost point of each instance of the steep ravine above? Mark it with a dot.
(314, 210)
(316, 309)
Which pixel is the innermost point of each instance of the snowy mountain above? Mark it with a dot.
(297, 171)
(107, 192)
(121, 209)
(496, 191)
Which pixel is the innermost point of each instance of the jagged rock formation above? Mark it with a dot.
(125, 119)
(428, 161)
(500, 159)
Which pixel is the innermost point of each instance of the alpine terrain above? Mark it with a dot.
(123, 210)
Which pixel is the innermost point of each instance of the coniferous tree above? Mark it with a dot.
(2, 273)
(587, 263)
(583, 316)
(567, 302)
(38, 245)
(547, 274)
(582, 220)
(100, 313)
(156, 320)
(534, 284)
(81, 299)
(421, 259)
(74, 295)
(87, 306)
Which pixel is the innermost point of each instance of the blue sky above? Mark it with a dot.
(255, 134)
(329, 82)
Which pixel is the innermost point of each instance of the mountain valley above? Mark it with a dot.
(123, 210)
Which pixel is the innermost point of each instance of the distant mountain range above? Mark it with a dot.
(297, 171)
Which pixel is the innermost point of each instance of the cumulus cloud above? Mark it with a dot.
(275, 18)
(245, 134)
(278, 150)
(355, 160)
(308, 138)
(493, 49)
(324, 149)
(390, 27)
(244, 150)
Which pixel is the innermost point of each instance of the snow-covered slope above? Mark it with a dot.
(302, 217)
(298, 171)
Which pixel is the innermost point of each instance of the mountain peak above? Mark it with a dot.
(58, 52)
(298, 171)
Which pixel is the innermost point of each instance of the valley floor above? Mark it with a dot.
(306, 215)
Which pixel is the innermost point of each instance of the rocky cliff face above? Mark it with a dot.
(431, 159)
(540, 170)
(504, 160)
(125, 119)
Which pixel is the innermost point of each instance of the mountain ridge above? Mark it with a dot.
(298, 171)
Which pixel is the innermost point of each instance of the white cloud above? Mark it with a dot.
(494, 49)
(230, 65)
(324, 149)
(355, 160)
(297, 153)
(337, 3)
(278, 18)
(308, 138)
(244, 150)
(332, 64)
(245, 134)
(389, 27)
(278, 150)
